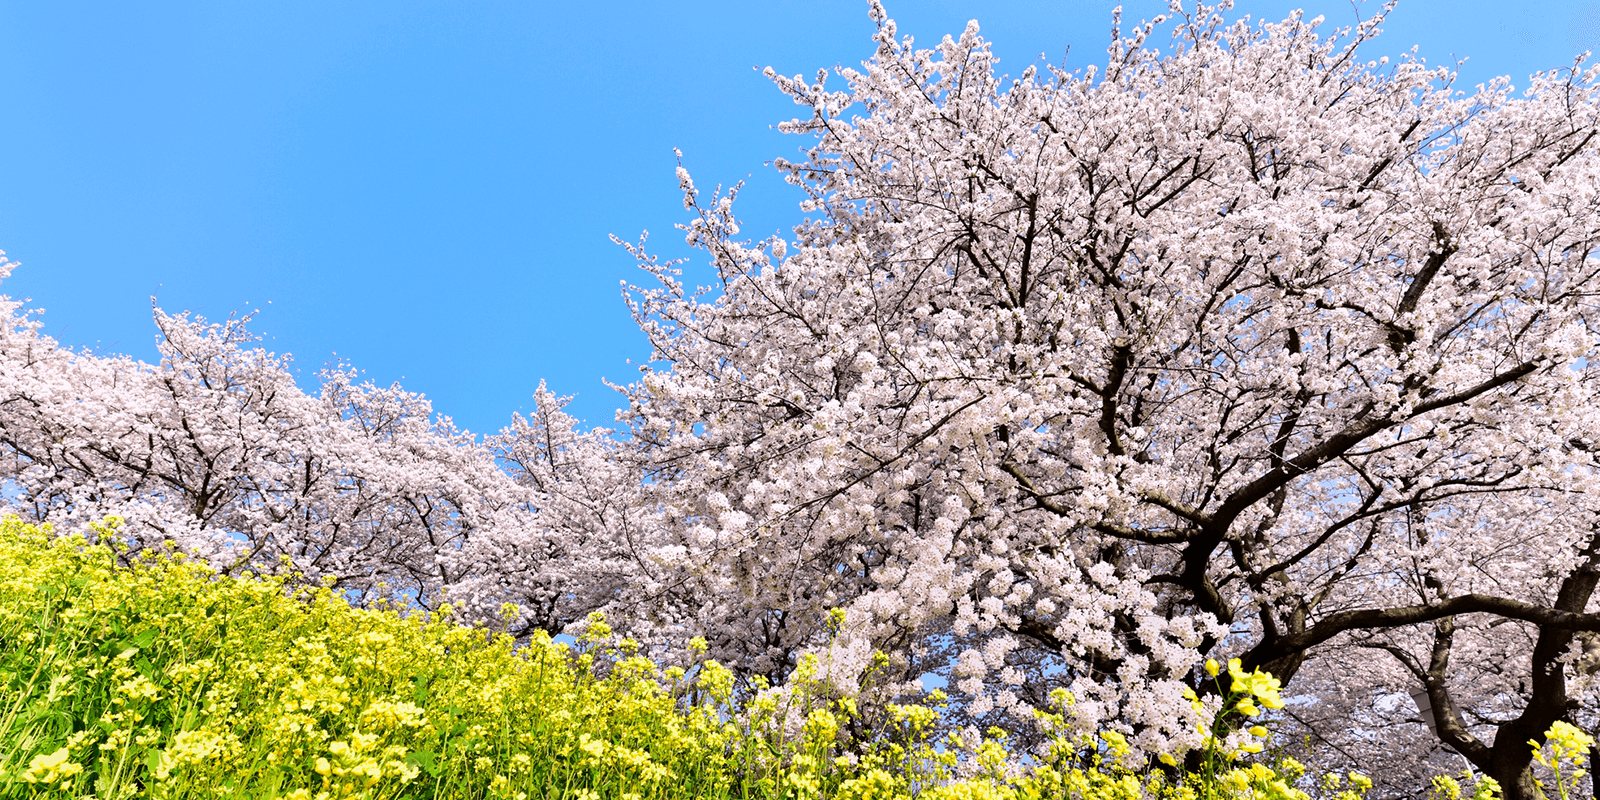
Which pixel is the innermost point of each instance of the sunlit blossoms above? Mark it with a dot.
(1245, 348)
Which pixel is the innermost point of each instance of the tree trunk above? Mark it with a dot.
(1513, 756)
(1516, 780)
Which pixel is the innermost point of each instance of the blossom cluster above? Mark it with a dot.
(1246, 346)
(1242, 347)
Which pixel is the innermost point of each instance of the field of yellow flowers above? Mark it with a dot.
(166, 680)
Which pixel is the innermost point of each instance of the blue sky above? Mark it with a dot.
(426, 189)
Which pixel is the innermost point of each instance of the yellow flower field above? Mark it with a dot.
(165, 680)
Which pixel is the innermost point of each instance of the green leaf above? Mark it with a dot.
(426, 760)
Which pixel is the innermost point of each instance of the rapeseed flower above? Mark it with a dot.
(186, 683)
(51, 768)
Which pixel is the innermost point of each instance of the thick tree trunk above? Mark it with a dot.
(1516, 779)
(1547, 702)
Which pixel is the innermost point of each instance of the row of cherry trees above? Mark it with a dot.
(217, 451)
(1242, 346)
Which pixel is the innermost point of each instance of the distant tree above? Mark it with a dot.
(590, 540)
(1241, 347)
(217, 452)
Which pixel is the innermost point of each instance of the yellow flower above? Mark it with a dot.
(51, 768)
(1062, 698)
(1486, 788)
(836, 618)
(1444, 787)
(1257, 684)
(1567, 741)
(876, 784)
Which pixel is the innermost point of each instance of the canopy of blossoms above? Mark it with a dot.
(1240, 346)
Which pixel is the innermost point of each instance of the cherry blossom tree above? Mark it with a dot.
(1241, 346)
(1238, 347)
(594, 546)
(217, 452)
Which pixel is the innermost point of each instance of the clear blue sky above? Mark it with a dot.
(425, 189)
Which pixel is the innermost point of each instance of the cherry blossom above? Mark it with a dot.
(1241, 346)
(217, 452)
